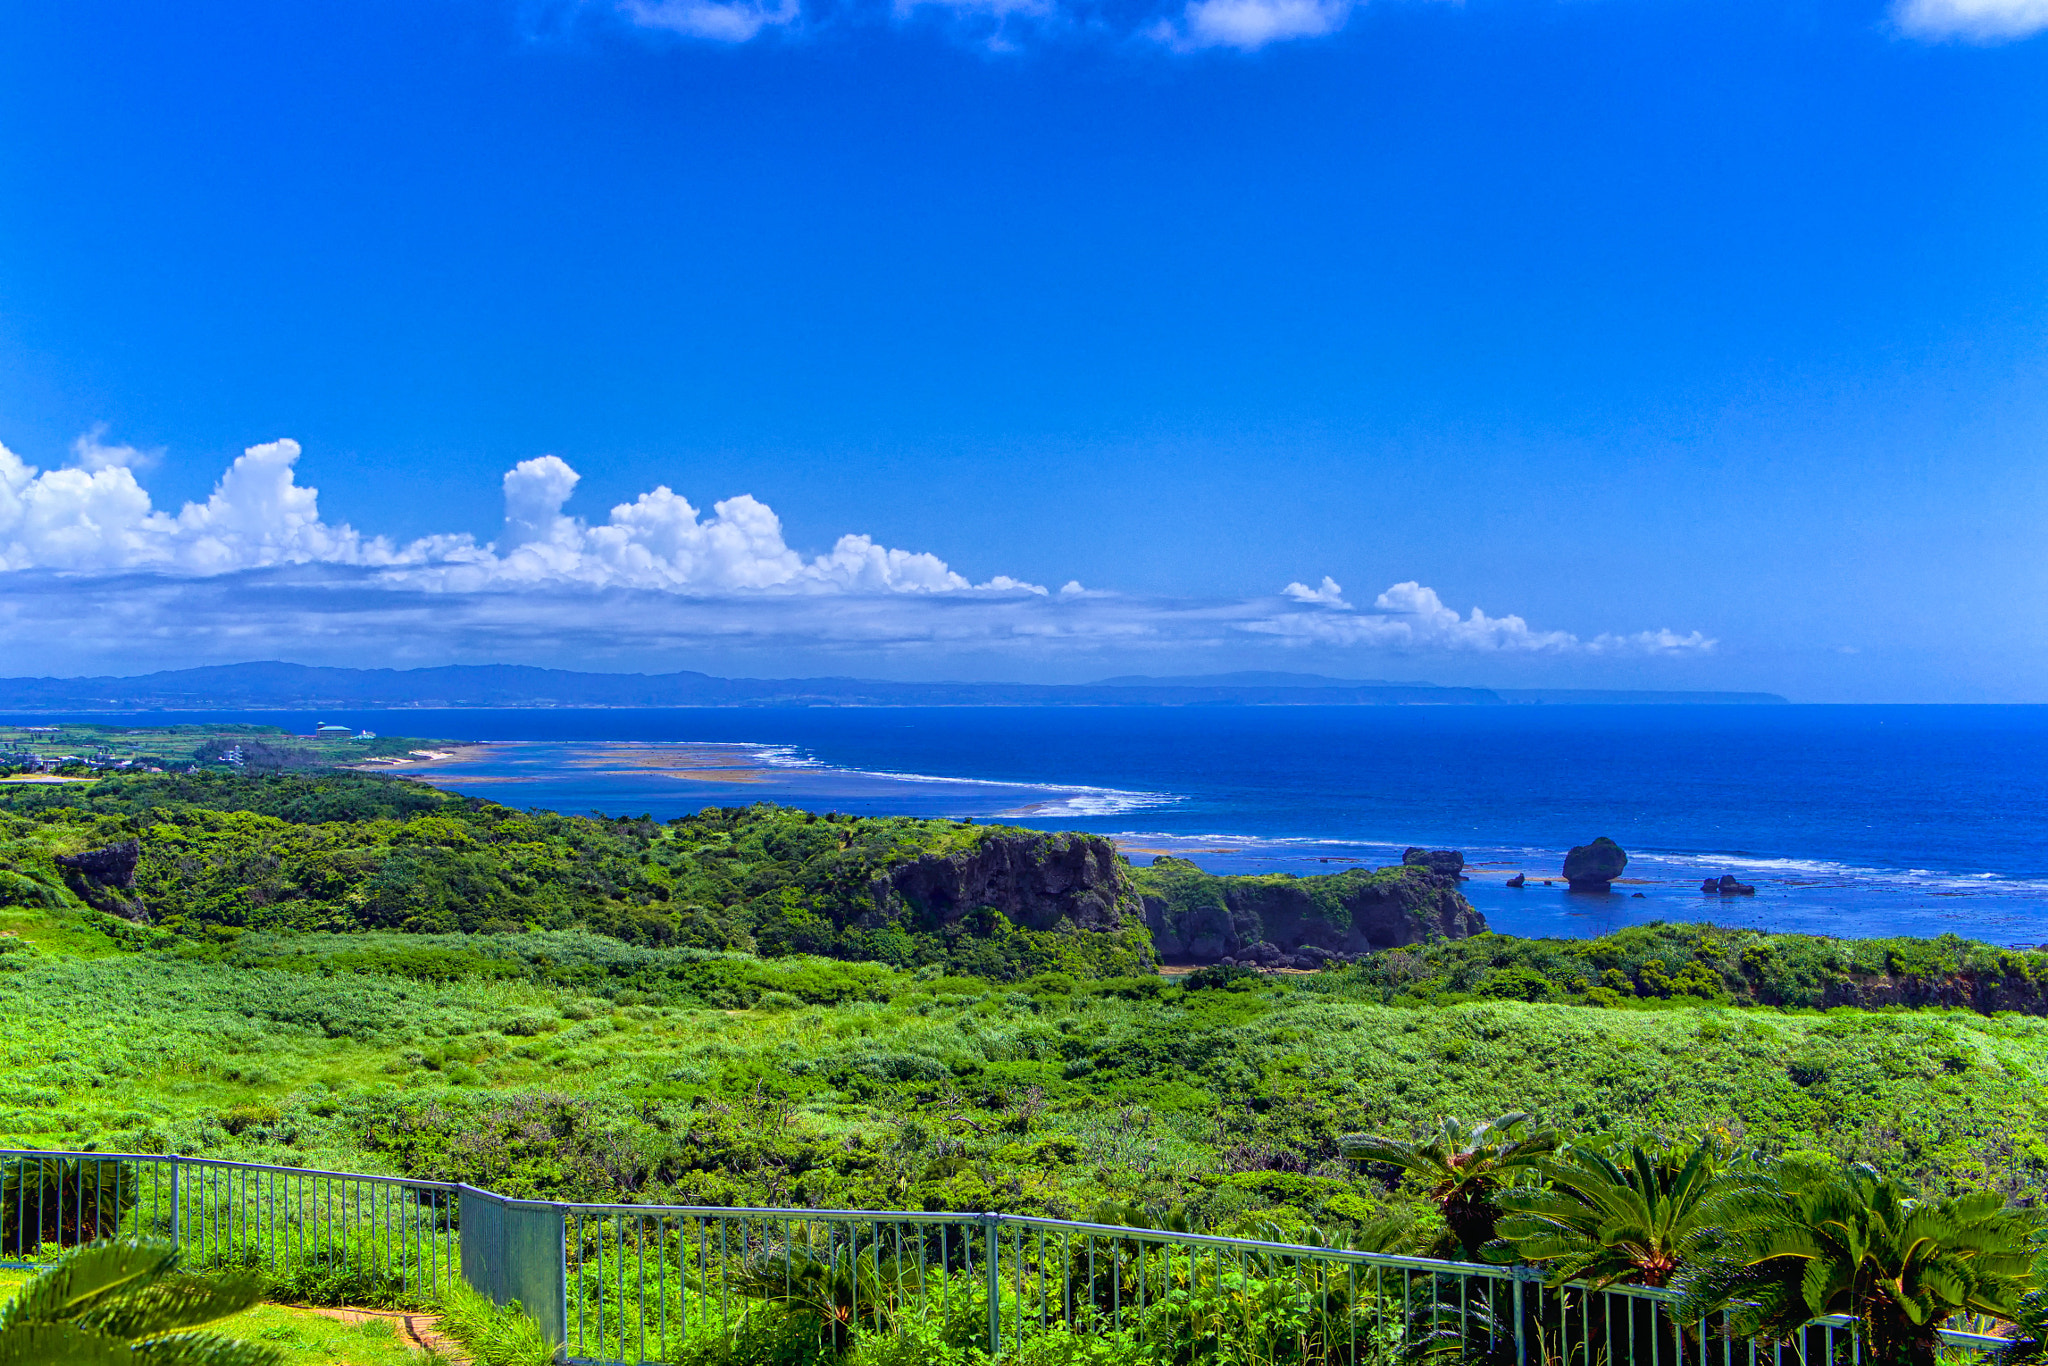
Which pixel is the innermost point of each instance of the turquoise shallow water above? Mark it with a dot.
(1849, 820)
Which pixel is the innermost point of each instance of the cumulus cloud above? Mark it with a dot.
(255, 562)
(259, 515)
(91, 454)
(1331, 594)
(95, 515)
(733, 21)
(1411, 617)
(1248, 25)
(1984, 21)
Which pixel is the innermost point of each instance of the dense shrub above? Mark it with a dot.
(223, 855)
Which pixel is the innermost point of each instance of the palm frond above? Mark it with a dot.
(86, 1278)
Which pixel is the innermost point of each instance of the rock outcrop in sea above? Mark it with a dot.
(1726, 885)
(1447, 861)
(1592, 867)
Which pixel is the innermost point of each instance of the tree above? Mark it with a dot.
(1814, 1242)
(120, 1302)
(1463, 1167)
(1634, 1217)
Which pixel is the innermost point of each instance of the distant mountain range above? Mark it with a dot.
(298, 687)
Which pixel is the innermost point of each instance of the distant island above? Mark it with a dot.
(272, 685)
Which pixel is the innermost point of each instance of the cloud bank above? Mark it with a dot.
(1177, 26)
(86, 557)
(1982, 21)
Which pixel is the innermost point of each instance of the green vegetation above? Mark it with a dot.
(222, 854)
(568, 1064)
(306, 1337)
(757, 1007)
(1802, 1242)
(1631, 1216)
(82, 749)
(492, 1335)
(1463, 1169)
(1650, 966)
(122, 1300)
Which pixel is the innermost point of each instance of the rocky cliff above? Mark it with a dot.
(1038, 881)
(1286, 921)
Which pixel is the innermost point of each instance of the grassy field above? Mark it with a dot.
(861, 1085)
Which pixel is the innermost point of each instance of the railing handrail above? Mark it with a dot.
(986, 1219)
(1400, 1261)
(414, 1181)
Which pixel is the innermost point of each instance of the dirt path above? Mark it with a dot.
(423, 1329)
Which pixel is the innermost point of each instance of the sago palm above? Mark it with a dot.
(1854, 1242)
(1463, 1166)
(62, 1201)
(122, 1303)
(838, 1289)
(1634, 1216)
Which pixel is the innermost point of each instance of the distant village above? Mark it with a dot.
(82, 751)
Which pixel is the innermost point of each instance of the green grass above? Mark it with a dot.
(302, 1336)
(860, 1085)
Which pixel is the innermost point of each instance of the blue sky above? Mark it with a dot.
(1694, 344)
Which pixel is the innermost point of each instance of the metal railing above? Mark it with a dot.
(636, 1283)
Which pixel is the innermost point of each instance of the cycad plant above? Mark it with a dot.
(840, 1289)
(2031, 1343)
(121, 1302)
(1853, 1242)
(1464, 1168)
(62, 1201)
(1634, 1216)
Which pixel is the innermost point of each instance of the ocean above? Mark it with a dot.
(1861, 821)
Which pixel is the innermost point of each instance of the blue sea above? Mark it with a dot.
(1865, 820)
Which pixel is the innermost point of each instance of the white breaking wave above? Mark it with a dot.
(1068, 799)
(1780, 873)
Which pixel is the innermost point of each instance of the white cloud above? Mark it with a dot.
(1248, 25)
(1331, 594)
(1658, 642)
(1410, 617)
(1195, 26)
(1005, 25)
(734, 22)
(99, 517)
(256, 562)
(91, 454)
(1984, 21)
(259, 515)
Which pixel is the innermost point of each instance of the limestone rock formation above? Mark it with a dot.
(113, 866)
(1591, 867)
(1726, 885)
(1447, 861)
(99, 876)
(1039, 881)
(1302, 922)
(1078, 883)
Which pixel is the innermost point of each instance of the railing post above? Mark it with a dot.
(991, 1239)
(177, 1215)
(1521, 1275)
